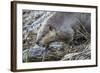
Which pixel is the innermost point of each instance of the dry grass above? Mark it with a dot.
(78, 49)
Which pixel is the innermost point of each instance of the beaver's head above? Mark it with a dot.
(46, 34)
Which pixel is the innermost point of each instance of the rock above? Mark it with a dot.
(33, 53)
(56, 45)
(36, 51)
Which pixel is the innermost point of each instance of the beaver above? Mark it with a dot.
(62, 26)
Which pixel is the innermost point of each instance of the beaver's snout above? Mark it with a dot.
(40, 44)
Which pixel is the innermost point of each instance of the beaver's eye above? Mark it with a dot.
(43, 35)
(50, 28)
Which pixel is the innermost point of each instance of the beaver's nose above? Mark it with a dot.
(40, 44)
(37, 42)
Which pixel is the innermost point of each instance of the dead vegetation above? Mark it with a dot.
(78, 49)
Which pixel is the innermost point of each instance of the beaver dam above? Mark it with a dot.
(78, 49)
